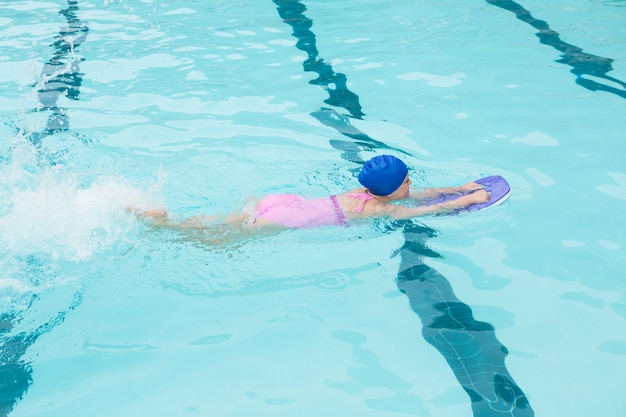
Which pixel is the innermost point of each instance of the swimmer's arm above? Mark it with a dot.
(402, 212)
(435, 192)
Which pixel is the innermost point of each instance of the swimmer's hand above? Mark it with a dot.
(480, 195)
(471, 187)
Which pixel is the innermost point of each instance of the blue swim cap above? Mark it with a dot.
(382, 175)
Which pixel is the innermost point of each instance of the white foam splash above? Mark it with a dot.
(47, 210)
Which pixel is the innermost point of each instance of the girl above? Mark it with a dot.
(385, 180)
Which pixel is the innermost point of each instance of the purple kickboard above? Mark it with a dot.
(499, 190)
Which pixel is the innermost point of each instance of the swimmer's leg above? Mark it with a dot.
(159, 217)
(154, 216)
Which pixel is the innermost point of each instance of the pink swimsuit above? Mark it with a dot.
(295, 211)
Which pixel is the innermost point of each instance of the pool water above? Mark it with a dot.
(197, 106)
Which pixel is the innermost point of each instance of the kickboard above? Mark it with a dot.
(498, 188)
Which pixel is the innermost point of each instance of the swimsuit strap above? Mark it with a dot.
(364, 197)
(341, 216)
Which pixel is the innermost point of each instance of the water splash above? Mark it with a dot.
(53, 211)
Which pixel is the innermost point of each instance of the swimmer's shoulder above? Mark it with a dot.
(358, 201)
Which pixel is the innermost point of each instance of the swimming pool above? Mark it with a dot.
(198, 106)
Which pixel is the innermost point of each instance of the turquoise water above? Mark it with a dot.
(198, 106)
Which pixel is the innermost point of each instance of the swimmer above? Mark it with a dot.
(385, 180)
